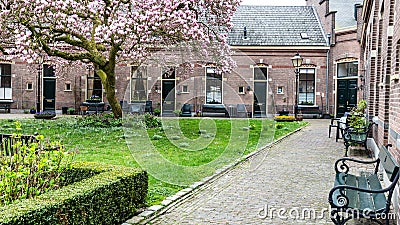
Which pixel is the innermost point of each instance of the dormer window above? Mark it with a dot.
(304, 36)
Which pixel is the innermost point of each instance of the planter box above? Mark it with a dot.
(44, 116)
(284, 120)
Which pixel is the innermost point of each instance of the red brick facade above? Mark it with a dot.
(380, 41)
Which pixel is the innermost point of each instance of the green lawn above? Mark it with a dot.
(195, 148)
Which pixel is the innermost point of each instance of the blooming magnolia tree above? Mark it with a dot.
(106, 32)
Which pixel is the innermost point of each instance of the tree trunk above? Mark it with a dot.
(113, 100)
(107, 76)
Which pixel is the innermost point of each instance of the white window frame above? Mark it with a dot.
(243, 90)
(279, 90)
(27, 86)
(65, 86)
(183, 89)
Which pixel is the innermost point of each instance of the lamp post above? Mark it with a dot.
(40, 70)
(296, 61)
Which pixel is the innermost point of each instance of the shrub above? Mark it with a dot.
(99, 120)
(33, 167)
(152, 121)
(109, 196)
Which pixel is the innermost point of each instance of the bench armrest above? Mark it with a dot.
(342, 198)
(344, 168)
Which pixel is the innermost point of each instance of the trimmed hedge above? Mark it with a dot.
(104, 194)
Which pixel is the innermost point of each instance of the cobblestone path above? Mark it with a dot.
(285, 184)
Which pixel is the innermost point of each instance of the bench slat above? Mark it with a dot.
(352, 195)
(379, 198)
(366, 201)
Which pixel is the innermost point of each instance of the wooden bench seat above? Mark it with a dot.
(362, 196)
(214, 110)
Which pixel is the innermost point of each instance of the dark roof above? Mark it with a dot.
(344, 12)
(276, 26)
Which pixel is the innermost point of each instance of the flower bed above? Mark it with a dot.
(285, 118)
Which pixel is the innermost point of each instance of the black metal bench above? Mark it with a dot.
(362, 196)
(6, 106)
(313, 111)
(8, 140)
(214, 110)
(353, 136)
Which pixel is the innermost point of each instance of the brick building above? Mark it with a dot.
(339, 19)
(380, 43)
(265, 38)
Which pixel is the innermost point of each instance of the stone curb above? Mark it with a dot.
(153, 211)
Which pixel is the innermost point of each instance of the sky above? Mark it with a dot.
(273, 2)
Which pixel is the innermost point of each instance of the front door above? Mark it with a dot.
(260, 99)
(49, 88)
(346, 96)
(168, 97)
(49, 94)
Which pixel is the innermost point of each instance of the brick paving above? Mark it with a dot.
(272, 187)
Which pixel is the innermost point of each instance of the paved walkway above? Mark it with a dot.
(274, 187)
(297, 172)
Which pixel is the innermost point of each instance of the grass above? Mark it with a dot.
(208, 145)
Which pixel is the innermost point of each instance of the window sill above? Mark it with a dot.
(67, 90)
(307, 105)
(28, 89)
(185, 92)
(241, 93)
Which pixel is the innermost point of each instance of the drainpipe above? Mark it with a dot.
(327, 73)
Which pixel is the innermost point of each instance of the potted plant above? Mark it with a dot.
(71, 111)
(94, 99)
(356, 118)
(177, 112)
(157, 112)
(32, 110)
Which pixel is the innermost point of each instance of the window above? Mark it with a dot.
(67, 87)
(279, 90)
(168, 73)
(306, 86)
(29, 86)
(48, 70)
(139, 84)
(241, 90)
(94, 86)
(260, 73)
(5, 75)
(213, 85)
(185, 89)
(5, 81)
(347, 69)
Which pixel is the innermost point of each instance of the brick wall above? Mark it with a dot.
(381, 35)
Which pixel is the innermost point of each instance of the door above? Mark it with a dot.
(49, 94)
(168, 97)
(49, 88)
(260, 99)
(346, 96)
